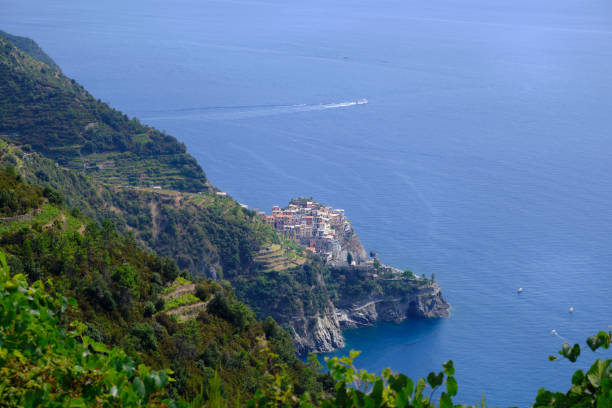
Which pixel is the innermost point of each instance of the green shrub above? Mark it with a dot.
(271, 328)
(149, 309)
(17, 198)
(170, 270)
(125, 277)
(53, 196)
(98, 293)
(145, 334)
(202, 292)
(231, 310)
(160, 304)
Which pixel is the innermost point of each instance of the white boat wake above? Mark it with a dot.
(242, 112)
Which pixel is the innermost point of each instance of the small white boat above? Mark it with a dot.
(553, 331)
(520, 290)
(571, 309)
(361, 101)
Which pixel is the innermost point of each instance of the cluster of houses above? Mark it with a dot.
(311, 224)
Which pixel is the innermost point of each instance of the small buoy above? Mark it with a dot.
(520, 290)
(571, 309)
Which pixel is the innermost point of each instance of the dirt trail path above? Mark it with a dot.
(179, 291)
(189, 311)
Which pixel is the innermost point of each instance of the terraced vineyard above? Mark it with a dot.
(181, 301)
(276, 258)
(46, 217)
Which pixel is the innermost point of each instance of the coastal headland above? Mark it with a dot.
(362, 290)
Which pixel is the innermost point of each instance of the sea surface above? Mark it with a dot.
(483, 154)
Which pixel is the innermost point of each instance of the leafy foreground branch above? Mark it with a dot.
(43, 365)
(359, 388)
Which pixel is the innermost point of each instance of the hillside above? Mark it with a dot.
(55, 116)
(141, 302)
(192, 228)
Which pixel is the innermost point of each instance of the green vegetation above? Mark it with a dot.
(346, 284)
(284, 294)
(359, 388)
(277, 257)
(17, 198)
(230, 309)
(76, 189)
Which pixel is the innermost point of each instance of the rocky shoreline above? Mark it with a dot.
(323, 333)
(428, 304)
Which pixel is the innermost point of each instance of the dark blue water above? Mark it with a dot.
(483, 155)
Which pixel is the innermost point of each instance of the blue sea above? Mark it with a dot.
(483, 154)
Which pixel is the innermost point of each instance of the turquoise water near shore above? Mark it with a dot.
(482, 155)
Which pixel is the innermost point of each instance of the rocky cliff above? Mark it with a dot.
(426, 303)
(320, 333)
(361, 296)
(349, 244)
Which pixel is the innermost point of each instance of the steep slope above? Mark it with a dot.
(207, 234)
(30, 47)
(42, 108)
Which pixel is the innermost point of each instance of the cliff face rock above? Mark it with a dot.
(320, 333)
(426, 302)
(363, 295)
(349, 243)
(429, 303)
(391, 300)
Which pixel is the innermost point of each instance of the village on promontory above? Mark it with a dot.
(322, 229)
